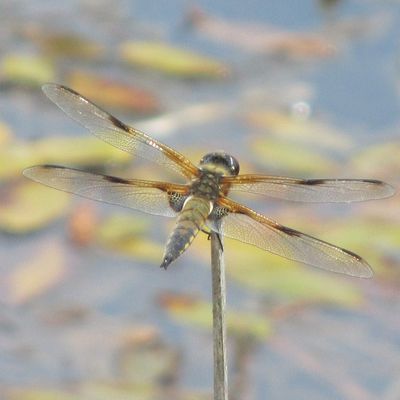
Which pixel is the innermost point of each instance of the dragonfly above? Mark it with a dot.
(202, 203)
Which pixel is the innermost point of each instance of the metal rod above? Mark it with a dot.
(219, 328)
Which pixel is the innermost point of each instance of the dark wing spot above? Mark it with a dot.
(70, 90)
(289, 231)
(118, 123)
(49, 166)
(374, 181)
(115, 179)
(356, 256)
(312, 182)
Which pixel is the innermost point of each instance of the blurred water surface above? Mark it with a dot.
(86, 312)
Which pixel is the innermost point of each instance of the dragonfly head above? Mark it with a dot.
(219, 162)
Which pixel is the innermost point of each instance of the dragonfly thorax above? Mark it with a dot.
(206, 185)
(219, 163)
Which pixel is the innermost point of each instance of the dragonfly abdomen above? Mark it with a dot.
(188, 224)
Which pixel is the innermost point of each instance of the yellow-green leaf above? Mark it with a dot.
(199, 313)
(69, 45)
(379, 160)
(294, 159)
(77, 151)
(24, 69)
(129, 236)
(29, 206)
(5, 134)
(171, 60)
(39, 394)
(36, 275)
(115, 391)
(296, 128)
(265, 272)
(113, 94)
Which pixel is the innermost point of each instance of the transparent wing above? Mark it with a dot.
(309, 190)
(111, 130)
(156, 198)
(241, 223)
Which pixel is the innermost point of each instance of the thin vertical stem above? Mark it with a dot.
(219, 328)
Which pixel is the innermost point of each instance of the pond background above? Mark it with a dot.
(85, 311)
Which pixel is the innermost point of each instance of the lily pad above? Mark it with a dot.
(274, 275)
(113, 94)
(297, 128)
(147, 364)
(39, 394)
(381, 159)
(24, 69)
(5, 134)
(265, 39)
(128, 235)
(373, 239)
(171, 60)
(284, 157)
(191, 311)
(78, 151)
(115, 391)
(64, 44)
(92, 391)
(36, 275)
(28, 206)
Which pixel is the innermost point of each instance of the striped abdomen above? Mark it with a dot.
(188, 224)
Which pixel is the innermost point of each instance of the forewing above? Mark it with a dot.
(111, 130)
(238, 222)
(309, 190)
(156, 198)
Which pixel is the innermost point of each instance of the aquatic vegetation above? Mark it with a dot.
(64, 44)
(171, 60)
(301, 129)
(191, 311)
(36, 275)
(114, 94)
(25, 207)
(291, 158)
(77, 150)
(261, 38)
(27, 70)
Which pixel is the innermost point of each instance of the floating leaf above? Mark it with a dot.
(296, 128)
(278, 155)
(39, 394)
(192, 311)
(69, 45)
(82, 223)
(23, 69)
(171, 60)
(113, 94)
(266, 272)
(29, 206)
(85, 391)
(372, 239)
(80, 150)
(147, 363)
(380, 159)
(186, 117)
(35, 276)
(261, 38)
(128, 236)
(5, 134)
(115, 391)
